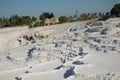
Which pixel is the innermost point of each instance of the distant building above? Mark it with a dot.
(52, 21)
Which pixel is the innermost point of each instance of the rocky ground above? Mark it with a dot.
(73, 51)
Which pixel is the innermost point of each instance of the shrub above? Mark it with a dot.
(42, 23)
(63, 19)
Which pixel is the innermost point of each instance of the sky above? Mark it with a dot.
(58, 7)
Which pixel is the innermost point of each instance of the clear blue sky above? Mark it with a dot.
(59, 7)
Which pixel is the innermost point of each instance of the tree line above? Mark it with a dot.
(16, 20)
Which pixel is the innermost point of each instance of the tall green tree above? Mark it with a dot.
(51, 15)
(115, 11)
(45, 15)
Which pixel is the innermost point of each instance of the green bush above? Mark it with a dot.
(63, 19)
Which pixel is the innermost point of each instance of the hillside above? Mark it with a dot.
(87, 50)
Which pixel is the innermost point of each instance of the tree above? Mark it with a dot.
(34, 19)
(115, 11)
(107, 14)
(5, 22)
(71, 18)
(28, 20)
(92, 15)
(83, 16)
(95, 15)
(42, 17)
(45, 15)
(99, 14)
(88, 14)
(51, 15)
(63, 19)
